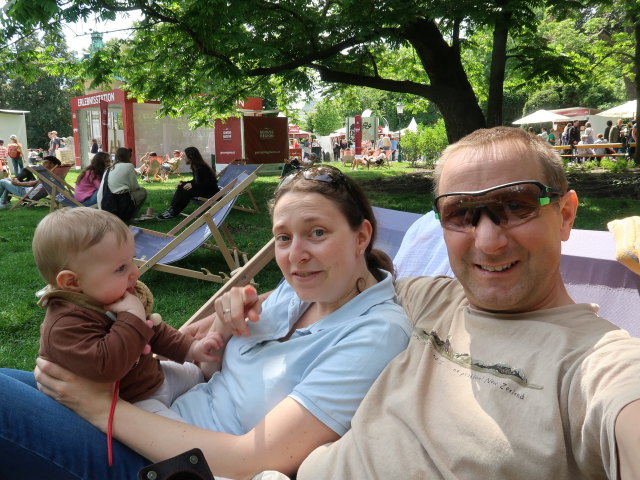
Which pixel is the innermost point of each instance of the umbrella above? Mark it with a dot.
(626, 110)
(542, 116)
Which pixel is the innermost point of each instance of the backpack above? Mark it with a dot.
(120, 204)
(14, 151)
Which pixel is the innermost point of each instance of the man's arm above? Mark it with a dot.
(628, 441)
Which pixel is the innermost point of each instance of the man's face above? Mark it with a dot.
(507, 269)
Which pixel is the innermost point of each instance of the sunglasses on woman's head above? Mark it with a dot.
(323, 173)
(506, 205)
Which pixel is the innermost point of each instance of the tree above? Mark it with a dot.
(182, 50)
(46, 96)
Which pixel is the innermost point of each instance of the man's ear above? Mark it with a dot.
(68, 280)
(568, 211)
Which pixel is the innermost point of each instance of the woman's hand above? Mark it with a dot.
(237, 306)
(91, 400)
(186, 186)
(199, 328)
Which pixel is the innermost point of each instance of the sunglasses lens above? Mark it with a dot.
(507, 206)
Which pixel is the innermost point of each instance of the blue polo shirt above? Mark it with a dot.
(327, 367)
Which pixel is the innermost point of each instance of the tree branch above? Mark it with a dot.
(399, 86)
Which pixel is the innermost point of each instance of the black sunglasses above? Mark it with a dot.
(507, 205)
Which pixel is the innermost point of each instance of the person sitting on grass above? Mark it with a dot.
(95, 325)
(24, 182)
(203, 184)
(88, 182)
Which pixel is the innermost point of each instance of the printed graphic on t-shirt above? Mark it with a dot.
(470, 365)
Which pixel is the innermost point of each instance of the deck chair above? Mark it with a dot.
(173, 168)
(588, 265)
(230, 172)
(347, 158)
(52, 190)
(205, 227)
(152, 173)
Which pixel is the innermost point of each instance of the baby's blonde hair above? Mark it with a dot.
(62, 234)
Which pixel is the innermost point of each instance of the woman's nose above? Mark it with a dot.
(298, 253)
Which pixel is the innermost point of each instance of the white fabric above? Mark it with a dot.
(423, 251)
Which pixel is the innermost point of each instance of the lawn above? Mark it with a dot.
(177, 298)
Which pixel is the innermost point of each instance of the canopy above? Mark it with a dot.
(542, 116)
(626, 110)
(295, 131)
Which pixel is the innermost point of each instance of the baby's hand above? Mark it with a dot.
(207, 349)
(128, 303)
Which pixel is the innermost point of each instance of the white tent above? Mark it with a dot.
(412, 127)
(626, 110)
(542, 116)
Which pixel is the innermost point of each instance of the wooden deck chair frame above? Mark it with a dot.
(153, 171)
(222, 240)
(59, 192)
(173, 170)
(252, 167)
(238, 168)
(348, 158)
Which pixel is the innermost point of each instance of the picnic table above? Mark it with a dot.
(577, 153)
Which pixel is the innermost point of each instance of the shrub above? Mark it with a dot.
(615, 166)
(425, 144)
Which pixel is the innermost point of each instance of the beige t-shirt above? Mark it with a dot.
(489, 396)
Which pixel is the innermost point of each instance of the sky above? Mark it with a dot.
(79, 34)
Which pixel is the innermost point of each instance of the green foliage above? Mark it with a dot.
(426, 144)
(615, 166)
(34, 79)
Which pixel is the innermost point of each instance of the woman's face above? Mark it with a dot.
(319, 254)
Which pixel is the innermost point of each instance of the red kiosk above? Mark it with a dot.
(117, 121)
(252, 137)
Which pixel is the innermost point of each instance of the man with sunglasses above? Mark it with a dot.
(505, 376)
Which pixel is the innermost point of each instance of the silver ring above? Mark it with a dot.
(226, 310)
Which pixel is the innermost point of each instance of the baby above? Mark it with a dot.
(95, 326)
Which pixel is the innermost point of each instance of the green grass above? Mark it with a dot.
(177, 298)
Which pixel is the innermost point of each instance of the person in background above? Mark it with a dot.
(601, 151)
(22, 183)
(54, 142)
(336, 151)
(386, 143)
(588, 131)
(94, 146)
(16, 154)
(615, 133)
(394, 148)
(3, 161)
(203, 184)
(607, 129)
(543, 134)
(88, 182)
(633, 138)
(169, 163)
(122, 178)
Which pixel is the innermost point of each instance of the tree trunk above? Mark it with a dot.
(497, 73)
(637, 82)
(450, 89)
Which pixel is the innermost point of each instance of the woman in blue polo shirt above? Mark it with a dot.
(291, 378)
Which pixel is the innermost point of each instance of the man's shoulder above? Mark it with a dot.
(425, 297)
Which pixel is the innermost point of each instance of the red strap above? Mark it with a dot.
(114, 400)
